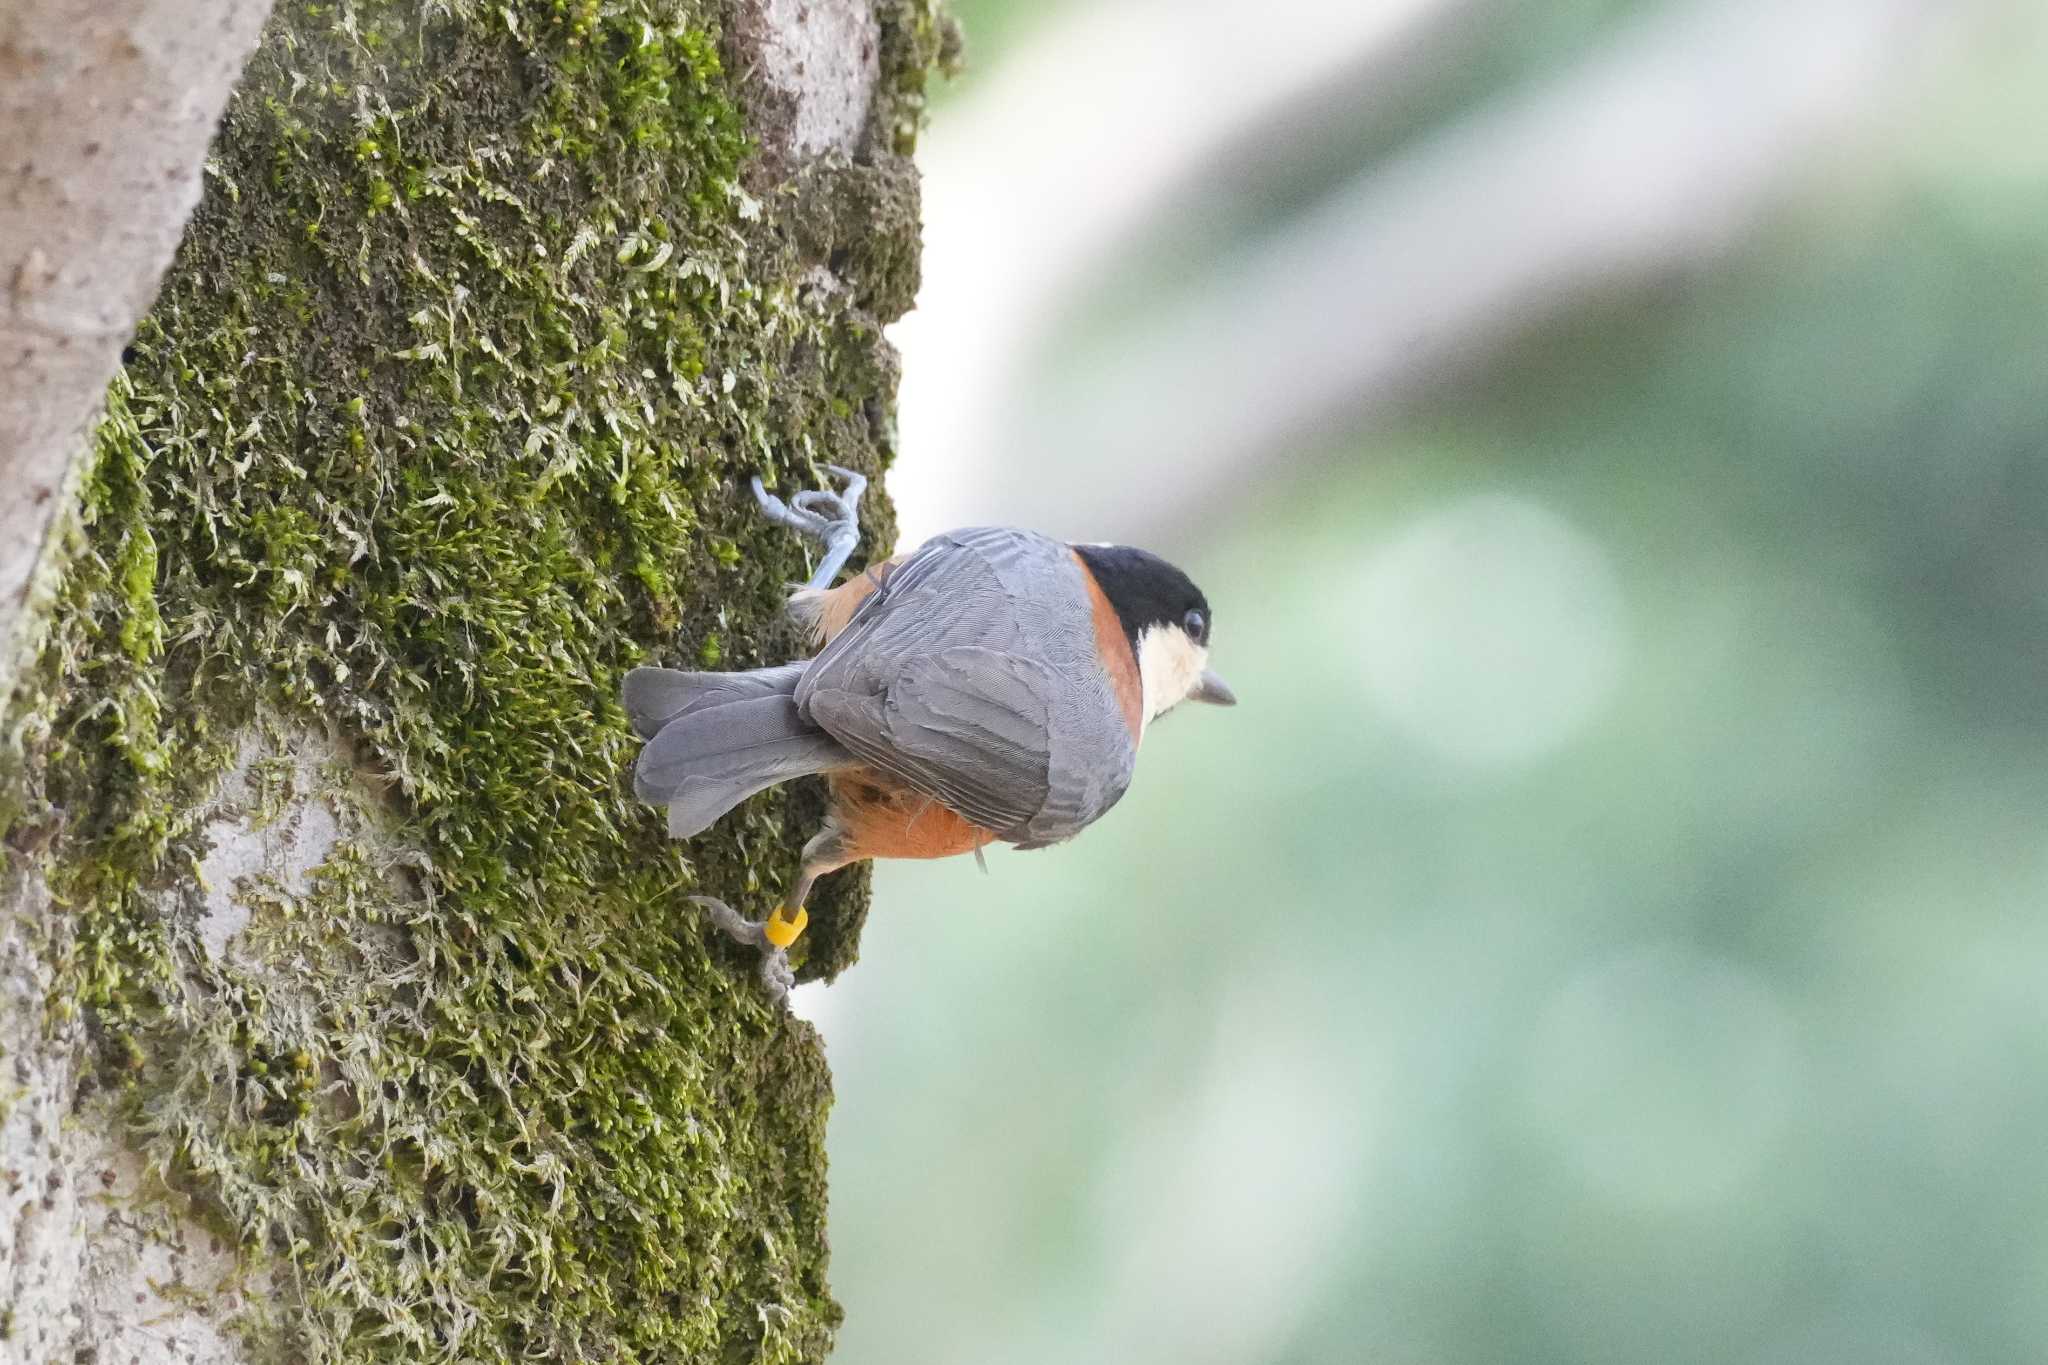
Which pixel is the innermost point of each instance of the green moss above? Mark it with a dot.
(918, 37)
(862, 221)
(441, 422)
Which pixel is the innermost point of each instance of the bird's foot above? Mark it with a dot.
(832, 519)
(772, 936)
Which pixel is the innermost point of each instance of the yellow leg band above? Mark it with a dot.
(783, 932)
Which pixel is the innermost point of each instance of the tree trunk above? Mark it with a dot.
(106, 107)
(350, 1007)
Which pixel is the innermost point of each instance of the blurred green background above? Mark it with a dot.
(1612, 926)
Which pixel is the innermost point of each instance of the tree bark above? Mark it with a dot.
(106, 107)
(351, 1010)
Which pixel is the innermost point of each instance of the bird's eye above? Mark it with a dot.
(1196, 625)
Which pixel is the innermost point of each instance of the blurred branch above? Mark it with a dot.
(1653, 157)
(1027, 197)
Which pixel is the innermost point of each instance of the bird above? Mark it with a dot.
(992, 685)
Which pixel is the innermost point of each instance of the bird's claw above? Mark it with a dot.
(776, 974)
(830, 518)
(780, 512)
(816, 512)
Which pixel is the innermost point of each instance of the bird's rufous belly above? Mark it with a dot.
(882, 818)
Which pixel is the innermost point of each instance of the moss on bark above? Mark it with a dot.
(442, 422)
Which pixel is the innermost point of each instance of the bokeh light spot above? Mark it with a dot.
(1490, 631)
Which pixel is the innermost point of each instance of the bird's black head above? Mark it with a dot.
(1165, 618)
(1147, 591)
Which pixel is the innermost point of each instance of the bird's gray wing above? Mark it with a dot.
(987, 586)
(967, 726)
(971, 674)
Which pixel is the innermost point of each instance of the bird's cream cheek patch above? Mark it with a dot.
(1170, 666)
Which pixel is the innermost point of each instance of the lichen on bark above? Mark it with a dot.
(441, 422)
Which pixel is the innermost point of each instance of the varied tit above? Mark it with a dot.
(990, 685)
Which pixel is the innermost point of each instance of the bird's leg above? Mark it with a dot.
(831, 519)
(774, 935)
(827, 851)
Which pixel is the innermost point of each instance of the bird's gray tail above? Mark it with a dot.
(714, 739)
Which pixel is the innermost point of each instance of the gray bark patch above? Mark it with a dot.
(91, 1257)
(107, 107)
(815, 64)
(255, 843)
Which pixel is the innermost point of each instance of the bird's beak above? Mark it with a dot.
(1213, 690)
